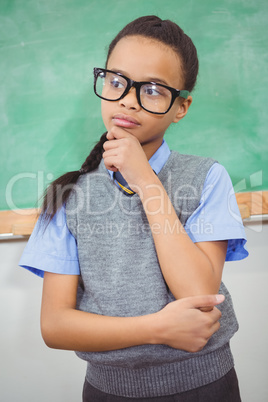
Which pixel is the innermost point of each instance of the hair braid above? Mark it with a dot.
(59, 190)
(94, 158)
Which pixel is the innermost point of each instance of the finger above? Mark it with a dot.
(215, 314)
(214, 328)
(203, 301)
(218, 315)
(110, 163)
(110, 144)
(117, 133)
(110, 153)
(206, 309)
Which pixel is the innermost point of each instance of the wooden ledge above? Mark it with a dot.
(22, 221)
(254, 203)
(18, 222)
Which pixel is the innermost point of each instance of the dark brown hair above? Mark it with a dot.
(164, 31)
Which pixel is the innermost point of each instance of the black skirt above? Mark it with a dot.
(225, 389)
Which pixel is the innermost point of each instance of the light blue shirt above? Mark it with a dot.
(216, 218)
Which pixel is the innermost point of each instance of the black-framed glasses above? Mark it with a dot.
(152, 97)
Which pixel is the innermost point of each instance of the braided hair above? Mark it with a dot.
(164, 31)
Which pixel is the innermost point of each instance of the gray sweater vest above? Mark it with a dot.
(121, 276)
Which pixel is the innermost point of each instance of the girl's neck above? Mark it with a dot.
(150, 148)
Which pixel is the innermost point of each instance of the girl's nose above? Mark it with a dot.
(130, 100)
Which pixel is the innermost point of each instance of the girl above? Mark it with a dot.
(132, 246)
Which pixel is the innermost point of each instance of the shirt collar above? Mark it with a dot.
(158, 159)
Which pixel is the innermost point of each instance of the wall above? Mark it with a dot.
(247, 282)
(31, 371)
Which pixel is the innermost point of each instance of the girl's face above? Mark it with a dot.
(144, 59)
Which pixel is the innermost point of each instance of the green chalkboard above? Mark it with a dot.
(50, 117)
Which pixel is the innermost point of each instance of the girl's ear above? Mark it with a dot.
(183, 109)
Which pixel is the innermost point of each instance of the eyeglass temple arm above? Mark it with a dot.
(184, 94)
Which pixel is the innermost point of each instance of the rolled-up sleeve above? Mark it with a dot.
(217, 216)
(51, 248)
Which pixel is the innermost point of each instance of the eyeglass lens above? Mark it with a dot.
(153, 97)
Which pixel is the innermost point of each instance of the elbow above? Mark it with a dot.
(47, 338)
(49, 333)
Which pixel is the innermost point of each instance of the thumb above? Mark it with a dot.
(203, 301)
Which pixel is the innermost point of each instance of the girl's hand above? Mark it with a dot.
(183, 326)
(124, 152)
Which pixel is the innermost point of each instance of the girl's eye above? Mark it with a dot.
(151, 90)
(115, 82)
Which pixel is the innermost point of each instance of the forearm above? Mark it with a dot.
(72, 329)
(180, 325)
(186, 268)
(65, 327)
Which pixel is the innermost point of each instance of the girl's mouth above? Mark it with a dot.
(123, 120)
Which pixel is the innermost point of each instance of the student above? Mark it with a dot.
(132, 246)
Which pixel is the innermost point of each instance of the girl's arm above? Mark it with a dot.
(180, 324)
(188, 268)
